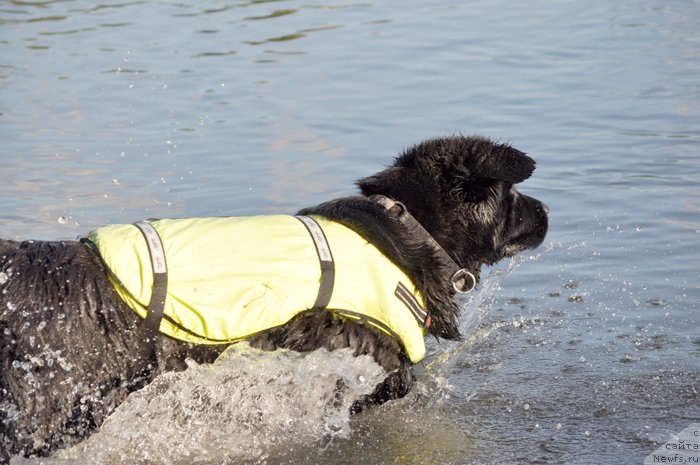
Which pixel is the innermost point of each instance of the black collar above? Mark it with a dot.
(461, 279)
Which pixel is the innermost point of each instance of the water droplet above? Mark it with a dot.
(62, 220)
(526, 407)
(3, 277)
(11, 307)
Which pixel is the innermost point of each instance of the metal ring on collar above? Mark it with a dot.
(466, 275)
(403, 208)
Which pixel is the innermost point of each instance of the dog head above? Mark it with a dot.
(461, 189)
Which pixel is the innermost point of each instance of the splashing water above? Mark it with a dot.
(433, 384)
(238, 409)
(475, 311)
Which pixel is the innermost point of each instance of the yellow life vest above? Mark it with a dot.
(233, 277)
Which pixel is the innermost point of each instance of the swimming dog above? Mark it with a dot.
(84, 323)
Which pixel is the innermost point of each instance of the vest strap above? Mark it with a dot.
(409, 300)
(156, 307)
(325, 289)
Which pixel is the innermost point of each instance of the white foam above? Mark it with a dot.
(240, 408)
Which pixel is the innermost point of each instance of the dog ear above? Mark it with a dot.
(468, 157)
(499, 161)
(448, 161)
(384, 182)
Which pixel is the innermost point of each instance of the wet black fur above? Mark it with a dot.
(67, 340)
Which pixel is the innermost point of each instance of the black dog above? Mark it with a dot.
(72, 349)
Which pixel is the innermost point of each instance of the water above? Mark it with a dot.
(584, 351)
(249, 395)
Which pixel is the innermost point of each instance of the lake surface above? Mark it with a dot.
(584, 351)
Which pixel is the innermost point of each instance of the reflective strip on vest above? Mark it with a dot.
(231, 278)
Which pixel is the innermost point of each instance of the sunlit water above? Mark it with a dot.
(584, 351)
